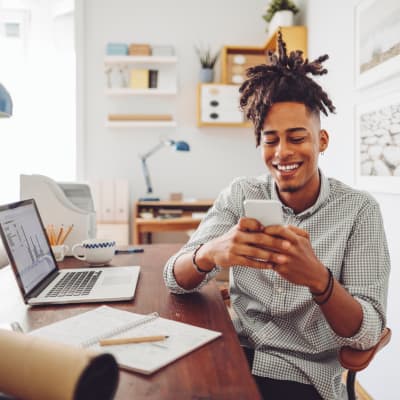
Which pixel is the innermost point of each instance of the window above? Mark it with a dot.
(38, 69)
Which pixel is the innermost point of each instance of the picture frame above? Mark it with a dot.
(377, 41)
(377, 146)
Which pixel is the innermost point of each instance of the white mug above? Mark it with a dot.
(94, 251)
(59, 251)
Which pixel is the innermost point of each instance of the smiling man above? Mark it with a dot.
(302, 290)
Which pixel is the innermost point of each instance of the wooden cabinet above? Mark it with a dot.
(214, 109)
(119, 71)
(218, 105)
(166, 216)
(236, 59)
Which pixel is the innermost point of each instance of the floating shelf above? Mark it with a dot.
(141, 92)
(140, 59)
(140, 124)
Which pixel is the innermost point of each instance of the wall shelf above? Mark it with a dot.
(140, 60)
(236, 59)
(140, 124)
(140, 92)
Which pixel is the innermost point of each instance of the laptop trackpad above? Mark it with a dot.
(118, 279)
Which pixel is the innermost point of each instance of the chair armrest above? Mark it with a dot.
(357, 360)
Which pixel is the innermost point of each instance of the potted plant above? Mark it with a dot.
(207, 61)
(280, 13)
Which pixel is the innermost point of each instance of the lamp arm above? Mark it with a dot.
(157, 147)
(146, 175)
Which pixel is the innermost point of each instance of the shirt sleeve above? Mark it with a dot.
(365, 275)
(221, 217)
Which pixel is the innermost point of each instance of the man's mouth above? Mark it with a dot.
(286, 167)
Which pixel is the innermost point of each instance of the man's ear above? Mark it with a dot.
(323, 140)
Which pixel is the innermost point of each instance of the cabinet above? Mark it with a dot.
(218, 105)
(166, 216)
(130, 77)
(235, 60)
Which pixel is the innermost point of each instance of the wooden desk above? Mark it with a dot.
(157, 224)
(217, 370)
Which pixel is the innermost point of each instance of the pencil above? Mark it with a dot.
(143, 339)
(62, 240)
(59, 234)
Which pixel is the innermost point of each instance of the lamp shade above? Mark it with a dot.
(181, 146)
(5, 102)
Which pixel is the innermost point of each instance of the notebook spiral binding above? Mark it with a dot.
(121, 329)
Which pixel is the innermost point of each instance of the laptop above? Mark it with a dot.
(38, 276)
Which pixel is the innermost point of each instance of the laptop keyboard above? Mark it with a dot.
(75, 284)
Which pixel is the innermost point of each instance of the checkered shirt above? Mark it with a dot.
(280, 320)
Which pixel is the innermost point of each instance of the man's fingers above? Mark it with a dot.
(249, 224)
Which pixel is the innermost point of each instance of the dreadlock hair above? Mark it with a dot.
(283, 80)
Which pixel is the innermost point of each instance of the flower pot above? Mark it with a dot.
(206, 75)
(280, 18)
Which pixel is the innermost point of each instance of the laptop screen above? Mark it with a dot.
(26, 243)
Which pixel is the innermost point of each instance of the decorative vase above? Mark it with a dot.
(206, 75)
(280, 18)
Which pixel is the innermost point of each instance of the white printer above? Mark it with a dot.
(62, 203)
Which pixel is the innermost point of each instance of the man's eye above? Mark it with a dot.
(270, 141)
(297, 139)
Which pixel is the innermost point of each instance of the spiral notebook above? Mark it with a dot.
(105, 322)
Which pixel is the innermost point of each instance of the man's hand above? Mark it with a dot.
(245, 244)
(302, 267)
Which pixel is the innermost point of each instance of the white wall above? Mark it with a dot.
(331, 30)
(219, 154)
(183, 24)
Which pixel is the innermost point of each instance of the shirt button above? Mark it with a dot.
(279, 289)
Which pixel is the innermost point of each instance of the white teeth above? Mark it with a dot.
(287, 167)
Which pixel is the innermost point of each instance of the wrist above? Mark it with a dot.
(321, 281)
(201, 260)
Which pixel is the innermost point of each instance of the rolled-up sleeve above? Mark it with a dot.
(365, 275)
(221, 217)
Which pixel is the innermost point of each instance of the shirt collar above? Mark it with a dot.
(324, 192)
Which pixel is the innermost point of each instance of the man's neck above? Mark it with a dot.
(300, 200)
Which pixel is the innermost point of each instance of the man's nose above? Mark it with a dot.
(283, 150)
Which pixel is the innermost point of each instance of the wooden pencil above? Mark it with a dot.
(68, 231)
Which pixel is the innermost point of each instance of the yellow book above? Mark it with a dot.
(139, 79)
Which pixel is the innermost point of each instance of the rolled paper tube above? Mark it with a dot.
(33, 368)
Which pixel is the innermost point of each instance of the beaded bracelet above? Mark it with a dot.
(195, 266)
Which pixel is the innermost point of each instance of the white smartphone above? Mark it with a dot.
(267, 212)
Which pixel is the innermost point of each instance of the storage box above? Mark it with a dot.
(138, 49)
(117, 49)
(163, 50)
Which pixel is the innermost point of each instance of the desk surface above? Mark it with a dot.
(218, 370)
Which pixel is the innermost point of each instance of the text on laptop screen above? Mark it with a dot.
(27, 242)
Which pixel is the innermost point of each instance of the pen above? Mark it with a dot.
(131, 250)
(143, 339)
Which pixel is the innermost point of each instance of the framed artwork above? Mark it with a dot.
(377, 46)
(378, 145)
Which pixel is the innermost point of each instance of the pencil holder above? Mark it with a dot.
(33, 368)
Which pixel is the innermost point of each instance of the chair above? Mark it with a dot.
(351, 359)
(357, 360)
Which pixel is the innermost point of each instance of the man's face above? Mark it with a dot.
(291, 141)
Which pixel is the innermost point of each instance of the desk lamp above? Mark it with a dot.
(5, 103)
(177, 145)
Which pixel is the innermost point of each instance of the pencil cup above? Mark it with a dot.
(59, 251)
(95, 251)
